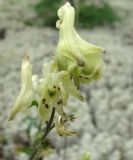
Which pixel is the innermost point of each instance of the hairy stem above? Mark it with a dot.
(49, 127)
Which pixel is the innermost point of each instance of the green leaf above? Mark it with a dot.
(24, 149)
(86, 156)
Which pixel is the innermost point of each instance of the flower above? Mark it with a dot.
(26, 94)
(54, 91)
(62, 124)
(75, 62)
(83, 61)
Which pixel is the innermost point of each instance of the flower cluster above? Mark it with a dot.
(75, 62)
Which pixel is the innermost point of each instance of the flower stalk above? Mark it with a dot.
(75, 62)
(49, 127)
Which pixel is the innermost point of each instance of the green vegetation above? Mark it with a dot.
(86, 156)
(46, 12)
(92, 15)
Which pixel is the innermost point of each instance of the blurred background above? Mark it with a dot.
(105, 122)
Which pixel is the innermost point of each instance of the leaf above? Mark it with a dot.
(86, 156)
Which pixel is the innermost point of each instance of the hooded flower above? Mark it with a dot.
(83, 61)
(25, 96)
(54, 91)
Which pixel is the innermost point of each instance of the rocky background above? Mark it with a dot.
(105, 121)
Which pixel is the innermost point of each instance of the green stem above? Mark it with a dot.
(49, 127)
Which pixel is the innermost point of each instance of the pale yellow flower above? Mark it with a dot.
(83, 61)
(26, 94)
(61, 126)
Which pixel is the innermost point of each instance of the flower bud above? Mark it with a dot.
(25, 96)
